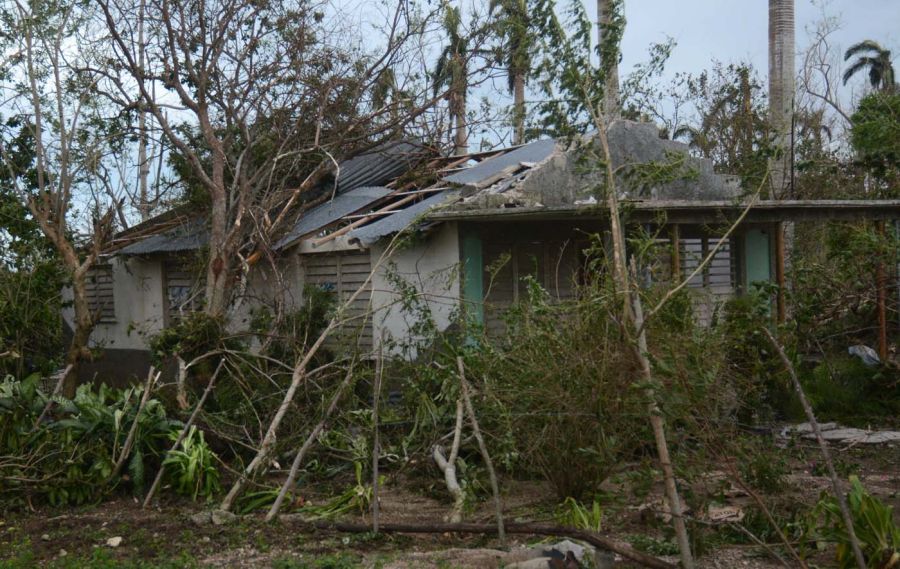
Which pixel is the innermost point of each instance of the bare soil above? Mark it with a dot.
(166, 536)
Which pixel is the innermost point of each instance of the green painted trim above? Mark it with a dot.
(757, 257)
(473, 276)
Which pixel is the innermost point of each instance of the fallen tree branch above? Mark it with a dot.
(448, 466)
(595, 539)
(56, 391)
(182, 434)
(307, 444)
(152, 377)
(495, 487)
(376, 438)
(823, 445)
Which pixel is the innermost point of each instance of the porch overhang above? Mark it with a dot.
(690, 211)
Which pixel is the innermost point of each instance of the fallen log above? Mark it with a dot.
(590, 537)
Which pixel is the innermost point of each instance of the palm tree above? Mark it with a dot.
(514, 30)
(878, 62)
(451, 72)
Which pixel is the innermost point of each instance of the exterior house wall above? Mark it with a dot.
(139, 312)
(431, 267)
(138, 301)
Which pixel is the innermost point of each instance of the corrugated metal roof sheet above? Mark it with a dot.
(399, 221)
(379, 165)
(187, 237)
(329, 212)
(530, 153)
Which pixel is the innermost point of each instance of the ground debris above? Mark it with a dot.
(832, 432)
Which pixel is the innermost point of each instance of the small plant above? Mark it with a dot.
(573, 513)
(652, 545)
(873, 523)
(192, 467)
(356, 498)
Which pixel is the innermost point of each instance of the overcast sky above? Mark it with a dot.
(737, 30)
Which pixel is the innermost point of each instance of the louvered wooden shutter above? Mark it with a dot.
(342, 274)
(100, 296)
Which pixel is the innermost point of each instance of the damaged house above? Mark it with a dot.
(481, 224)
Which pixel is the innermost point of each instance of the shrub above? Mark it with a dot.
(69, 456)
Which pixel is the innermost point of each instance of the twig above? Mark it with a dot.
(590, 537)
(182, 434)
(307, 444)
(826, 453)
(495, 487)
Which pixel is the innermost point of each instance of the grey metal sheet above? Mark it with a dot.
(531, 152)
(189, 236)
(399, 221)
(331, 211)
(379, 165)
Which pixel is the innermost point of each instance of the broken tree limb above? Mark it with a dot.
(448, 466)
(56, 391)
(492, 474)
(267, 445)
(376, 440)
(595, 539)
(129, 440)
(659, 434)
(823, 445)
(181, 435)
(307, 444)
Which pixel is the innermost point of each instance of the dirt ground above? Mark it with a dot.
(167, 536)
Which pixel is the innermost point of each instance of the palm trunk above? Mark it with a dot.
(518, 108)
(460, 129)
(781, 90)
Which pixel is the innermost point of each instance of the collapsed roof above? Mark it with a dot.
(386, 190)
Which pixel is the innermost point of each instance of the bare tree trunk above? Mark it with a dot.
(593, 538)
(84, 325)
(659, 435)
(143, 165)
(518, 108)
(633, 322)
(492, 474)
(826, 453)
(609, 61)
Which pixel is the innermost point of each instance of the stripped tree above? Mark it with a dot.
(266, 96)
(55, 144)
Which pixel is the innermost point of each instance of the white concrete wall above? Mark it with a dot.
(432, 267)
(139, 307)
